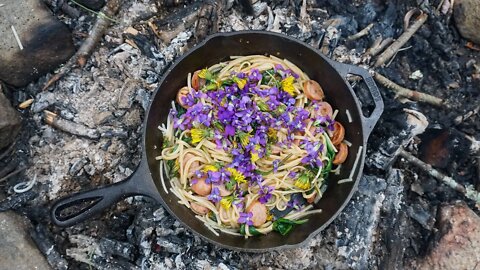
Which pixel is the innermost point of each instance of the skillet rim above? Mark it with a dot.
(359, 169)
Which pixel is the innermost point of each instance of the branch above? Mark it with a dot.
(469, 192)
(407, 93)
(404, 38)
(81, 56)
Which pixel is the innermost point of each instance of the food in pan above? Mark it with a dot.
(248, 145)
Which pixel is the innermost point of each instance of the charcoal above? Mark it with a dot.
(45, 244)
(117, 248)
(17, 200)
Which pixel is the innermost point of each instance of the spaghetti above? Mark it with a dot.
(248, 145)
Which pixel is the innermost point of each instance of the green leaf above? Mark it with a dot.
(251, 230)
(284, 225)
(227, 82)
(212, 216)
(230, 185)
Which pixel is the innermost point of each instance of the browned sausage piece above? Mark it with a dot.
(200, 187)
(197, 208)
(312, 199)
(324, 109)
(313, 90)
(338, 133)
(197, 82)
(183, 92)
(341, 155)
(223, 191)
(259, 212)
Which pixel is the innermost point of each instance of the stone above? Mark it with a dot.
(17, 251)
(467, 19)
(46, 42)
(458, 244)
(10, 121)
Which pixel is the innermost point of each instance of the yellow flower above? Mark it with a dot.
(287, 85)
(272, 134)
(210, 168)
(226, 202)
(198, 135)
(240, 82)
(237, 176)
(255, 155)
(303, 182)
(205, 74)
(244, 138)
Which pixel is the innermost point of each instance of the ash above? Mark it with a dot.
(385, 225)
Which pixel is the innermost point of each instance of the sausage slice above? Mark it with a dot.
(201, 187)
(259, 212)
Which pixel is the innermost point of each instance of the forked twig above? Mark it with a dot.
(404, 38)
(81, 56)
(407, 93)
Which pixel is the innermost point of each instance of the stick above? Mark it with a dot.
(362, 33)
(379, 45)
(407, 93)
(81, 56)
(469, 192)
(17, 38)
(404, 38)
(53, 120)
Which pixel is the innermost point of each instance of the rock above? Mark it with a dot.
(458, 244)
(467, 19)
(17, 251)
(10, 121)
(46, 42)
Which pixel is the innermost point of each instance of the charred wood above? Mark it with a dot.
(70, 127)
(81, 56)
(47, 247)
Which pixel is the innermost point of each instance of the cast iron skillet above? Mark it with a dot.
(146, 181)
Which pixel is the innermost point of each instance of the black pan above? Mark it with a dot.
(146, 181)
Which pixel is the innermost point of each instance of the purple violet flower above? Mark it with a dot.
(215, 195)
(229, 130)
(265, 193)
(246, 218)
(255, 75)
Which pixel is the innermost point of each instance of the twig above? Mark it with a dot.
(53, 120)
(8, 150)
(81, 56)
(408, 17)
(379, 45)
(404, 38)
(469, 192)
(17, 171)
(17, 38)
(472, 46)
(25, 104)
(362, 33)
(407, 93)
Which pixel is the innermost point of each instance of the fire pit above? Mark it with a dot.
(82, 129)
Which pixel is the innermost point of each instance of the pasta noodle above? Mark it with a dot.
(249, 144)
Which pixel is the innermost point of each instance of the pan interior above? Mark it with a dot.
(220, 48)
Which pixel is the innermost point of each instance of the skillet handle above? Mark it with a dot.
(370, 121)
(99, 199)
